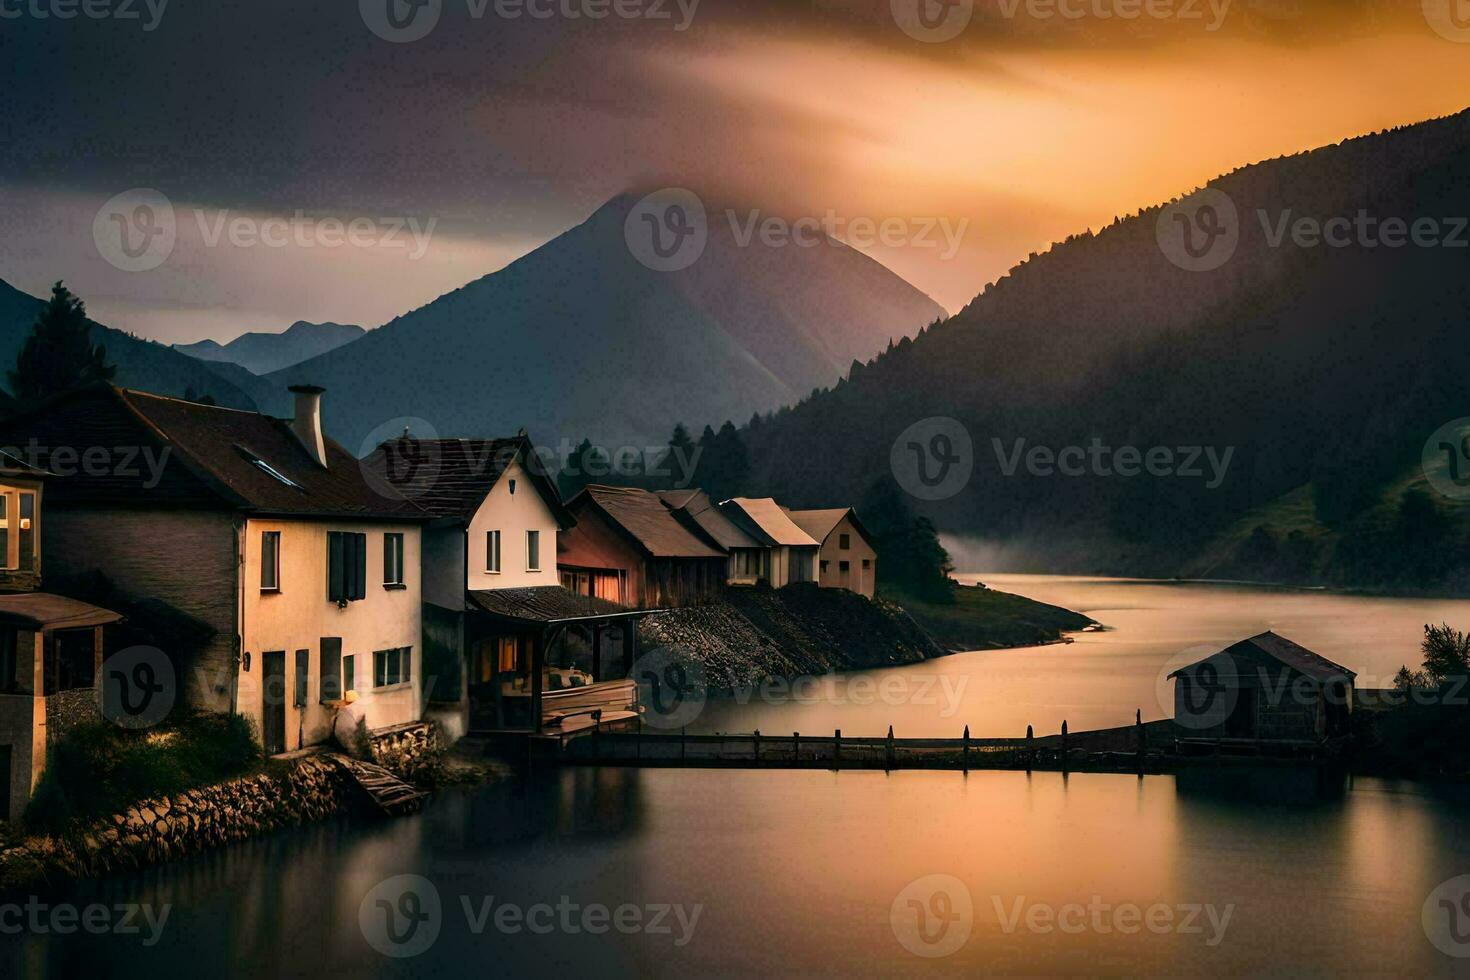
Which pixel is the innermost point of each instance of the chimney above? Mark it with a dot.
(308, 421)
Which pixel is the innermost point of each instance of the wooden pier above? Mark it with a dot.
(391, 795)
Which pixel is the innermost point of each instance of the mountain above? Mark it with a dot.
(579, 339)
(1321, 364)
(262, 353)
(140, 363)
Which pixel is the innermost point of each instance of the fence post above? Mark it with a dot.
(1030, 747)
(1142, 741)
(683, 746)
(795, 747)
(757, 745)
(965, 757)
(836, 749)
(1064, 738)
(889, 764)
(638, 740)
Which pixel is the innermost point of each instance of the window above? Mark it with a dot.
(843, 566)
(70, 661)
(391, 666)
(270, 561)
(533, 551)
(867, 563)
(825, 563)
(392, 560)
(329, 681)
(346, 567)
(9, 682)
(349, 673)
(844, 541)
(492, 551)
(267, 468)
(303, 672)
(5, 531)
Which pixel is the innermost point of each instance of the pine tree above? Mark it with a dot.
(58, 355)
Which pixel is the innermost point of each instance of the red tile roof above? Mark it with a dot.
(642, 516)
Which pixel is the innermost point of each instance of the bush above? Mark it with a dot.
(95, 770)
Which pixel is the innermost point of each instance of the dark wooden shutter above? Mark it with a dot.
(359, 582)
(336, 566)
(330, 684)
(303, 670)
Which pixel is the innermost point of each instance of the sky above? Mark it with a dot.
(328, 161)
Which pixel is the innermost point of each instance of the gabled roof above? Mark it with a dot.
(1284, 651)
(765, 519)
(820, 523)
(162, 451)
(642, 518)
(451, 478)
(44, 611)
(695, 507)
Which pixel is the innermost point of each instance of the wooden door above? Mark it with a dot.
(273, 691)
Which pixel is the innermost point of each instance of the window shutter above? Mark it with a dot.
(359, 584)
(336, 566)
(330, 684)
(303, 668)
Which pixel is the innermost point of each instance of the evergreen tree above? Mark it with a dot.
(910, 558)
(1446, 653)
(573, 476)
(58, 355)
(732, 463)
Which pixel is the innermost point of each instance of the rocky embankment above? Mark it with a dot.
(799, 630)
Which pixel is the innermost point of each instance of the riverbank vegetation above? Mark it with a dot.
(974, 617)
(1422, 731)
(98, 769)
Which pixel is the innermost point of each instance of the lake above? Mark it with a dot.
(620, 872)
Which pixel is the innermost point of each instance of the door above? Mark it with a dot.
(4, 782)
(273, 691)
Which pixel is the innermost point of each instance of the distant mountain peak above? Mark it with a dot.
(261, 352)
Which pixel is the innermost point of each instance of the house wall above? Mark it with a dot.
(23, 724)
(300, 615)
(781, 564)
(513, 514)
(594, 544)
(184, 558)
(444, 567)
(1285, 704)
(858, 579)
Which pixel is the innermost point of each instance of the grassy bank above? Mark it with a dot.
(979, 618)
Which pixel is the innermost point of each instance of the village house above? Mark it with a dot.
(1265, 688)
(790, 554)
(507, 647)
(694, 509)
(300, 578)
(846, 559)
(627, 542)
(51, 647)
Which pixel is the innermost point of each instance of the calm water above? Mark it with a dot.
(814, 873)
(1099, 680)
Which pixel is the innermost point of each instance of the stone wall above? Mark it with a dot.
(156, 830)
(406, 749)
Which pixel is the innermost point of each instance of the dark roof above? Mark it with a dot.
(819, 523)
(765, 519)
(1282, 650)
(15, 466)
(544, 604)
(643, 518)
(167, 451)
(695, 507)
(452, 477)
(42, 610)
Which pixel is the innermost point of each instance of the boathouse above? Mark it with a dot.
(1265, 688)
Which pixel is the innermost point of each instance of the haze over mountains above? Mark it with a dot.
(262, 353)
(1322, 364)
(578, 339)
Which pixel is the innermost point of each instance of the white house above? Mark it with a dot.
(791, 553)
(846, 559)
